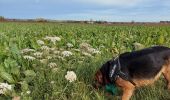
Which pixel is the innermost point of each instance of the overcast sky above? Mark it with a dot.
(109, 10)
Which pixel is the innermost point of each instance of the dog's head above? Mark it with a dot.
(102, 75)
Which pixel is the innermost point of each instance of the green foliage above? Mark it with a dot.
(36, 80)
(6, 76)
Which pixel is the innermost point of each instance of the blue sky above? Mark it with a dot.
(109, 10)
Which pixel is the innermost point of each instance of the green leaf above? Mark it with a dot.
(24, 86)
(1, 68)
(11, 65)
(161, 39)
(7, 63)
(30, 73)
(14, 50)
(6, 76)
(15, 70)
(73, 41)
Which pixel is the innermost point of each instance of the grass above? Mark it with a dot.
(45, 83)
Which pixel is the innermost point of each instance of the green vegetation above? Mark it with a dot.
(87, 47)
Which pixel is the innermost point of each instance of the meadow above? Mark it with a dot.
(35, 58)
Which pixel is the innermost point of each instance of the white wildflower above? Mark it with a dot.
(30, 58)
(52, 65)
(44, 61)
(52, 49)
(22, 93)
(102, 46)
(86, 54)
(26, 50)
(66, 53)
(40, 42)
(77, 50)
(46, 48)
(138, 46)
(97, 52)
(49, 57)
(93, 51)
(38, 54)
(85, 46)
(70, 76)
(56, 52)
(52, 39)
(55, 70)
(2, 91)
(60, 57)
(69, 45)
(4, 87)
(28, 92)
(52, 82)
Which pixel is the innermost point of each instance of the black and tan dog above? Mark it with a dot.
(135, 69)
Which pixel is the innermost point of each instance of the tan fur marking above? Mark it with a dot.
(127, 87)
(145, 82)
(166, 73)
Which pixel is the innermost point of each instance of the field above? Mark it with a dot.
(35, 57)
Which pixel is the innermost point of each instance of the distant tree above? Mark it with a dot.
(132, 22)
(40, 20)
(2, 18)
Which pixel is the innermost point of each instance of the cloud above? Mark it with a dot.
(110, 2)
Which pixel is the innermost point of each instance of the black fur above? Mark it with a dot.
(105, 69)
(142, 64)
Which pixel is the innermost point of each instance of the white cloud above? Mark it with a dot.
(110, 2)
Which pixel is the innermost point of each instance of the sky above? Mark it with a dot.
(105, 10)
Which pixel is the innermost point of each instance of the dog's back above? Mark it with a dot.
(144, 63)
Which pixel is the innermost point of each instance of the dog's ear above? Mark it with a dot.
(98, 80)
(106, 67)
(99, 77)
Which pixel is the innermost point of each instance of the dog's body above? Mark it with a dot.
(142, 67)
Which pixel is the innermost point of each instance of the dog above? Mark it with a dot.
(131, 70)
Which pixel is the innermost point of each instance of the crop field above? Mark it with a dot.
(57, 61)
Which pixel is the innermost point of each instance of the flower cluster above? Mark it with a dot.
(40, 42)
(86, 54)
(30, 58)
(93, 51)
(70, 76)
(67, 53)
(138, 46)
(4, 87)
(52, 39)
(48, 54)
(69, 45)
(45, 48)
(26, 50)
(52, 65)
(38, 54)
(88, 50)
